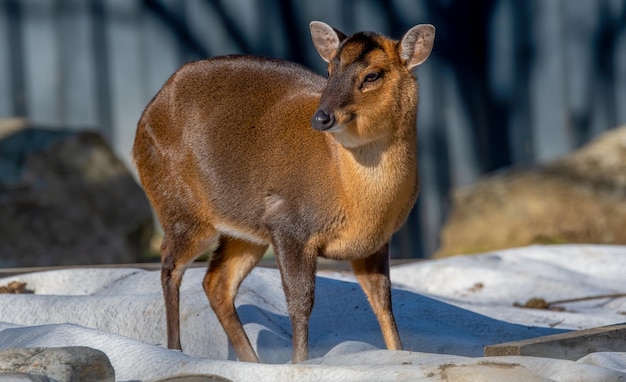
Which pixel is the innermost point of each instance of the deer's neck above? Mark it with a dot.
(380, 183)
(378, 178)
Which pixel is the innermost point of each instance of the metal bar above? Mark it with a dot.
(102, 70)
(16, 52)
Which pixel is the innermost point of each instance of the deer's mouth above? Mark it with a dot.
(331, 122)
(343, 120)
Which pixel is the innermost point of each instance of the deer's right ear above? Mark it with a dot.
(326, 39)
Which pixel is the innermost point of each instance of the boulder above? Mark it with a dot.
(23, 377)
(75, 363)
(66, 199)
(580, 198)
(193, 378)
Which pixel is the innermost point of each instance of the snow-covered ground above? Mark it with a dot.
(447, 311)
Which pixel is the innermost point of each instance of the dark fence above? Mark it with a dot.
(510, 82)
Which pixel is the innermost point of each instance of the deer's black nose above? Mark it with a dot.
(321, 121)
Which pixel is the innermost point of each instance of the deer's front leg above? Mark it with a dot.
(373, 275)
(297, 270)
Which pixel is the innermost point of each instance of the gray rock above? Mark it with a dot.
(61, 364)
(194, 378)
(24, 377)
(66, 199)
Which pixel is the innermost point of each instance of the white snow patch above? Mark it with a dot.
(447, 311)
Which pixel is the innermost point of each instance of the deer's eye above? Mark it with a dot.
(371, 77)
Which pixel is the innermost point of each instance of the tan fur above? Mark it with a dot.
(226, 149)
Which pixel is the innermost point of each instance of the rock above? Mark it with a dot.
(580, 198)
(74, 363)
(23, 377)
(9, 126)
(66, 199)
(193, 378)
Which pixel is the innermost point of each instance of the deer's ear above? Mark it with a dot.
(416, 45)
(326, 39)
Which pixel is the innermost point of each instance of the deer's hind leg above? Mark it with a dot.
(230, 264)
(179, 249)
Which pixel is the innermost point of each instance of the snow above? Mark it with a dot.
(447, 310)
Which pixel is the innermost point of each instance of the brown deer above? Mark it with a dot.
(226, 154)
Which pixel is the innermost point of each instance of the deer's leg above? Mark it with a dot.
(230, 264)
(373, 275)
(177, 251)
(297, 270)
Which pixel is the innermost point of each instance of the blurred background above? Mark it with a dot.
(510, 83)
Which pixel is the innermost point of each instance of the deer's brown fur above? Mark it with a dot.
(226, 152)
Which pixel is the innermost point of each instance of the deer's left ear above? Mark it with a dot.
(326, 39)
(416, 45)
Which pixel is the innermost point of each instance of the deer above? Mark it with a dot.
(243, 152)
